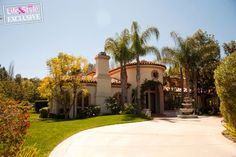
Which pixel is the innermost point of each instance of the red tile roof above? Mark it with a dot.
(143, 62)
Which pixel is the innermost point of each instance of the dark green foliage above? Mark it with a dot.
(40, 104)
(229, 47)
(206, 52)
(90, 111)
(44, 112)
(225, 80)
(18, 88)
(51, 115)
(93, 110)
(3, 73)
(113, 105)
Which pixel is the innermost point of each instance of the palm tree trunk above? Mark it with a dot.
(123, 86)
(138, 100)
(126, 85)
(195, 88)
(181, 82)
(187, 80)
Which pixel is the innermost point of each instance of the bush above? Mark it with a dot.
(14, 123)
(93, 110)
(90, 111)
(129, 108)
(52, 115)
(40, 104)
(113, 105)
(225, 81)
(44, 112)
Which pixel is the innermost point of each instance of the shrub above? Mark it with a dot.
(113, 105)
(93, 110)
(14, 123)
(52, 115)
(129, 108)
(44, 112)
(81, 113)
(225, 81)
(40, 104)
(90, 111)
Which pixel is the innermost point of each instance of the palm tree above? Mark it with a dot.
(119, 49)
(139, 48)
(171, 55)
(179, 56)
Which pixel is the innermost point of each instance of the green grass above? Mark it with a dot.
(45, 134)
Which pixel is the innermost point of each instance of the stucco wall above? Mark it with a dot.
(145, 71)
(92, 92)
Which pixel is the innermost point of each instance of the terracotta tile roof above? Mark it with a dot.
(86, 80)
(142, 62)
(114, 81)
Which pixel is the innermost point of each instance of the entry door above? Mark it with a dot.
(153, 102)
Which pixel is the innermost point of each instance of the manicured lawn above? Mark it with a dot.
(45, 134)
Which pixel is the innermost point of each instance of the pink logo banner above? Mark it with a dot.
(24, 13)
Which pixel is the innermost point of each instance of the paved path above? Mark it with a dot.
(162, 137)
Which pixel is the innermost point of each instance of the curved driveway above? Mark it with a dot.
(161, 137)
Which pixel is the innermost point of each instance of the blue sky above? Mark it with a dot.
(80, 27)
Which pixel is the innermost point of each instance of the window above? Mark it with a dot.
(155, 74)
(86, 100)
(83, 101)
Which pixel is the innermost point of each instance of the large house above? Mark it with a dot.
(106, 83)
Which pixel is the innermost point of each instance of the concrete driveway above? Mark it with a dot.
(162, 137)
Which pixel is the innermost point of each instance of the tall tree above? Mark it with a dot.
(3, 73)
(65, 74)
(205, 58)
(178, 56)
(229, 47)
(139, 48)
(119, 49)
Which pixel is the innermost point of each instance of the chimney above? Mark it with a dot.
(103, 80)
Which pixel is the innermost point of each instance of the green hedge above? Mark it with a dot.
(38, 104)
(44, 112)
(90, 111)
(225, 81)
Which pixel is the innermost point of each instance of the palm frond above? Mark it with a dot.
(146, 35)
(154, 50)
(170, 55)
(178, 40)
(135, 27)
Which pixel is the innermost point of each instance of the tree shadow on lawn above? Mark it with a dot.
(125, 118)
(131, 117)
